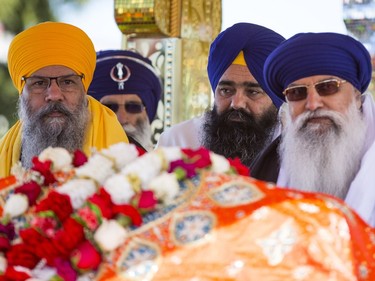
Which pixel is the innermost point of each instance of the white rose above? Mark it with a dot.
(122, 153)
(146, 167)
(171, 153)
(109, 235)
(119, 188)
(78, 190)
(43, 273)
(98, 168)
(16, 205)
(60, 158)
(164, 186)
(219, 163)
(3, 264)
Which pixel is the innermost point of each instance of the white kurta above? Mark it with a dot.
(186, 134)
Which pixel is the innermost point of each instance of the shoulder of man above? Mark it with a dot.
(183, 134)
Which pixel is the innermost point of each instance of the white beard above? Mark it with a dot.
(141, 133)
(322, 158)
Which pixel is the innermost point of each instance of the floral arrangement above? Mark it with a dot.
(68, 212)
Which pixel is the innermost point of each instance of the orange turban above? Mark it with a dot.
(51, 43)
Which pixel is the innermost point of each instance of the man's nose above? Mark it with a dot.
(313, 100)
(239, 100)
(53, 91)
(122, 115)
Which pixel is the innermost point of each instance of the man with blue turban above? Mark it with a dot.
(244, 116)
(327, 143)
(128, 84)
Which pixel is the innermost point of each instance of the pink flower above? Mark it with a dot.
(86, 257)
(145, 200)
(88, 217)
(79, 158)
(46, 224)
(65, 270)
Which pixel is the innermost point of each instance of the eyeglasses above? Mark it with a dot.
(66, 83)
(323, 88)
(130, 107)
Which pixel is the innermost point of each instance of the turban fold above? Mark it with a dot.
(51, 43)
(309, 54)
(125, 72)
(256, 42)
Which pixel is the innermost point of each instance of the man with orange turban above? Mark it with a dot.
(52, 65)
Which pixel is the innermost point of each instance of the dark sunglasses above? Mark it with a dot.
(323, 88)
(130, 107)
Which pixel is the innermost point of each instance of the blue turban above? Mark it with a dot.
(309, 54)
(126, 72)
(256, 42)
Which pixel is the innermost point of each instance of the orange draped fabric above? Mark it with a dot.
(238, 228)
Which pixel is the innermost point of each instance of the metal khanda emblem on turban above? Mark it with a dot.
(118, 75)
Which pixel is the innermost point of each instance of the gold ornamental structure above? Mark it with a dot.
(175, 35)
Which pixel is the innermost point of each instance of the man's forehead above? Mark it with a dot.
(238, 74)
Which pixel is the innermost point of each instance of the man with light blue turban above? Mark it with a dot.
(327, 144)
(243, 117)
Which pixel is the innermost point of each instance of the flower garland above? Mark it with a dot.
(69, 212)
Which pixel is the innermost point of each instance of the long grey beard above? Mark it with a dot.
(141, 132)
(326, 161)
(40, 132)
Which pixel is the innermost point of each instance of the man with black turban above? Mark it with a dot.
(128, 84)
(243, 117)
(327, 144)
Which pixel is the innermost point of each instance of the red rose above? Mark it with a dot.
(44, 168)
(31, 189)
(31, 237)
(240, 168)
(58, 203)
(86, 257)
(79, 158)
(128, 211)
(103, 200)
(23, 255)
(49, 251)
(4, 243)
(140, 150)
(69, 237)
(200, 157)
(40, 245)
(11, 274)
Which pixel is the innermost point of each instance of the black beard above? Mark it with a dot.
(243, 139)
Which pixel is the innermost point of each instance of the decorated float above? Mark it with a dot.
(171, 214)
